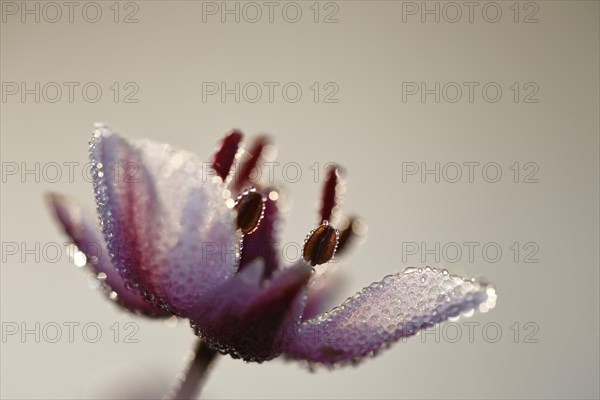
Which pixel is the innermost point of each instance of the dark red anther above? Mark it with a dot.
(224, 157)
(250, 207)
(328, 201)
(321, 244)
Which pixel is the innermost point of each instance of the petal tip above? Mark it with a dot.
(63, 209)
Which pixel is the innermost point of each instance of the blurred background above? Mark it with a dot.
(470, 136)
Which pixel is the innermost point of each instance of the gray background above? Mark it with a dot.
(373, 132)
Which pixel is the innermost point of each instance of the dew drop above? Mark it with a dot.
(171, 322)
(79, 259)
(132, 285)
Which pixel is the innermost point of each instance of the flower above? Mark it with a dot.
(169, 244)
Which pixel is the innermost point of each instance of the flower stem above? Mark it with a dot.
(189, 382)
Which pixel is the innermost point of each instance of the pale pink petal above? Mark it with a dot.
(398, 306)
(166, 224)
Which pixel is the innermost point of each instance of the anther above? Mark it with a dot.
(321, 244)
(250, 207)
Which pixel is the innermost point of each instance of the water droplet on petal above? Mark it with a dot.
(79, 259)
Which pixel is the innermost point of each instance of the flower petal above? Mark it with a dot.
(249, 320)
(398, 306)
(167, 229)
(85, 233)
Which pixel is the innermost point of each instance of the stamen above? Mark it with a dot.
(250, 207)
(224, 157)
(243, 177)
(321, 244)
(329, 200)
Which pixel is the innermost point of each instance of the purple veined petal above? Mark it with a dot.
(398, 306)
(261, 243)
(249, 318)
(86, 235)
(166, 225)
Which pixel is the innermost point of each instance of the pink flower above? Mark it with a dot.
(168, 243)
